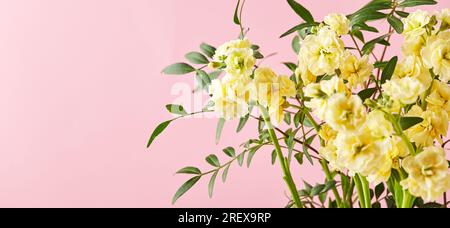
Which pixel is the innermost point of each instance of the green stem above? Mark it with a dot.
(366, 191)
(359, 189)
(286, 172)
(323, 162)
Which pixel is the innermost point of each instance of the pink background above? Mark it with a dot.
(81, 91)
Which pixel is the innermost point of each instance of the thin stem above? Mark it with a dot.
(286, 172)
(357, 45)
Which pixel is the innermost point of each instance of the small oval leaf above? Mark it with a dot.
(213, 160)
(189, 170)
(178, 69)
(158, 130)
(184, 188)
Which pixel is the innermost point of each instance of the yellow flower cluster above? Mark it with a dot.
(363, 141)
(428, 174)
(243, 84)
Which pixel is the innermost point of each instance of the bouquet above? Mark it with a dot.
(376, 124)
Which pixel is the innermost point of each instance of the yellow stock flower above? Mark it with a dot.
(286, 86)
(230, 98)
(398, 150)
(436, 55)
(412, 66)
(240, 62)
(428, 174)
(414, 24)
(338, 22)
(412, 45)
(270, 88)
(379, 125)
(224, 50)
(360, 152)
(444, 16)
(405, 90)
(345, 113)
(327, 133)
(434, 124)
(440, 96)
(302, 72)
(355, 71)
(321, 92)
(322, 52)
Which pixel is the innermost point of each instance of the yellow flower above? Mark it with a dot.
(327, 133)
(345, 113)
(413, 67)
(224, 50)
(434, 124)
(428, 174)
(398, 150)
(286, 86)
(362, 153)
(444, 16)
(414, 24)
(338, 22)
(439, 96)
(355, 71)
(322, 52)
(269, 88)
(240, 62)
(405, 90)
(302, 72)
(436, 55)
(379, 125)
(276, 111)
(230, 98)
(412, 45)
(329, 153)
(320, 92)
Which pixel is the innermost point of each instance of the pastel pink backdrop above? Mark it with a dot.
(81, 91)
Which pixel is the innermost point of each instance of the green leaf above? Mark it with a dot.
(296, 28)
(364, 27)
(287, 118)
(219, 129)
(184, 188)
(367, 93)
(258, 55)
(189, 170)
(317, 189)
(242, 122)
(374, 6)
(274, 157)
(301, 11)
(380, 65)
(215, 74)
(323, 197)
(291, 66)
(389, 70)
(402, 14)
(298, 118)
(225, 173)
(230, 152)
(296, 44)
(412, 3)
(208, 50)
(196, 58)
(366, 17)
(379, 189)
(236, 14)
(176, 109)
(240, 159)
(250, 155)
(369, 46)
(329, 185)
(178, 69)
(255, 47)
(408, 122)
(213, 160)
(299, 158)
(158, 130)
(396, 23)
(203, 79)
(211, 184)
(308, 187)
(306, 150)
(358, 34)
